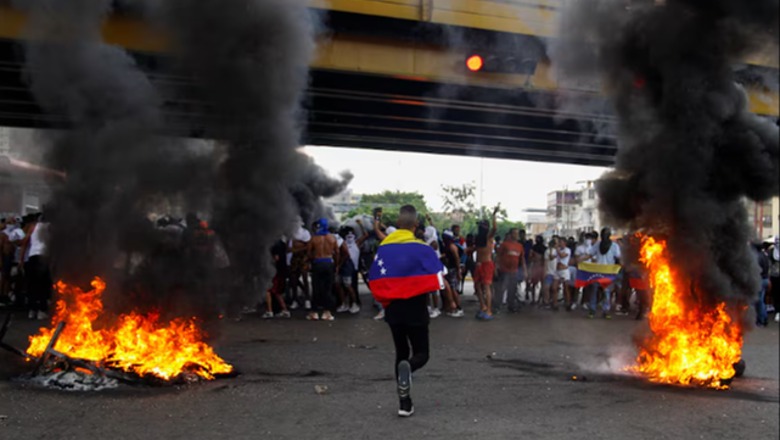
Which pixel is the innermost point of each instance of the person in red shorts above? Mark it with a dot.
(483, 273)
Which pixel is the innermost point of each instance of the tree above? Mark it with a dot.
(390, 202)
(460, 206)
(460, 201)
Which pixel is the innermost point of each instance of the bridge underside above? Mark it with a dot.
(374, 111)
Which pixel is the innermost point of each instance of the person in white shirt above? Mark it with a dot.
(299, 270)
(603, 252)
(10, 239)
(563, 255)
(581, 253)
(34, 252)
(550, 273)
(431, 238)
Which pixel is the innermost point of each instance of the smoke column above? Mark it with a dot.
(689, 150)
(115, 166)
(250, 62)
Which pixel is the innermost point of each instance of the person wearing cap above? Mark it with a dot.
(323, 254)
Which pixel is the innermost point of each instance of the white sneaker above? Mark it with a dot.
(283, 314)
(267, 315)
(342, 308)
(380, 316)
(355, 309)
(435, 313)
(42, 315)
(777, 317)
(294, 305)
(31, 314)
(307, 305)
(573, 306)
(456, 314)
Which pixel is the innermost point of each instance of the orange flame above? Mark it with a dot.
(691, 343)
(136, 343)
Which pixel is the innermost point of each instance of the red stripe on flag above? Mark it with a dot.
(386, 290)
(605, 282)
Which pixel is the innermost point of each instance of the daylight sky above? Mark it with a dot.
(517, 185)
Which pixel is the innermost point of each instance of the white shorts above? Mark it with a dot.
(563, 275)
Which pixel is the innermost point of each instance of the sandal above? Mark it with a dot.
(312, 317)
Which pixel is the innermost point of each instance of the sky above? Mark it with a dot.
(517, 185)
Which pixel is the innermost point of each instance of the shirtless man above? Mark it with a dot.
(323, 254)
(483, 274)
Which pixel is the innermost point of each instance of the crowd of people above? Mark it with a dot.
(25, 278)
(319, 268)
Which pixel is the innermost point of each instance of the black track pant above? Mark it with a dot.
(415, 336)
(38, 283)
(322, 277)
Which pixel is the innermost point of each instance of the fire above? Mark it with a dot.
(136, 343)
(691, 343)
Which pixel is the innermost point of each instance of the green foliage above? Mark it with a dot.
(459, 208)
(390, 202)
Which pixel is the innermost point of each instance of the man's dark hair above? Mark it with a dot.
(407, 217)
(483, 228)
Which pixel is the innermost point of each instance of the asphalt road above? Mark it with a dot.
(506, 379)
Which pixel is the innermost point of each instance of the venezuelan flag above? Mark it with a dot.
(589, 273)
(404, 267)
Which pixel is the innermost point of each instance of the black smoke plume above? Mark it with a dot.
(117, 168)
(245, 64)
(249, 59)
(689, 149)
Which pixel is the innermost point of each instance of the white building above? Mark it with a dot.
(764, 217)
(571, 211)
(535, 221)
(343, 203)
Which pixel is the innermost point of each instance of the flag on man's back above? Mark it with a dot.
(589, 273)
(404, 267)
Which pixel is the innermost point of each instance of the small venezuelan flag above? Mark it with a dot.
(589, 273)
(404, 267)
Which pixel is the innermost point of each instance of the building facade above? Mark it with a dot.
(764, 218)
(343, 203)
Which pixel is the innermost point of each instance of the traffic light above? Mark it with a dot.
(499, 63)
(475, 63)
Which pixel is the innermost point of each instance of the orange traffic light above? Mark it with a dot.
(474, 63)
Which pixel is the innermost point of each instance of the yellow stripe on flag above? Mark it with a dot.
(401, 236)
(607, 269)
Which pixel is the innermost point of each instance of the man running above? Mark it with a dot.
(483, 275)
(404, 271)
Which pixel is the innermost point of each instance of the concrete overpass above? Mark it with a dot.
(390, 74)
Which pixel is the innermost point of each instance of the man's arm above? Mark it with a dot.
(336, 250)
(310, 249)
(379, 234)
(494, 225)
(454, 252)
(359, 241)
(522, 261)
